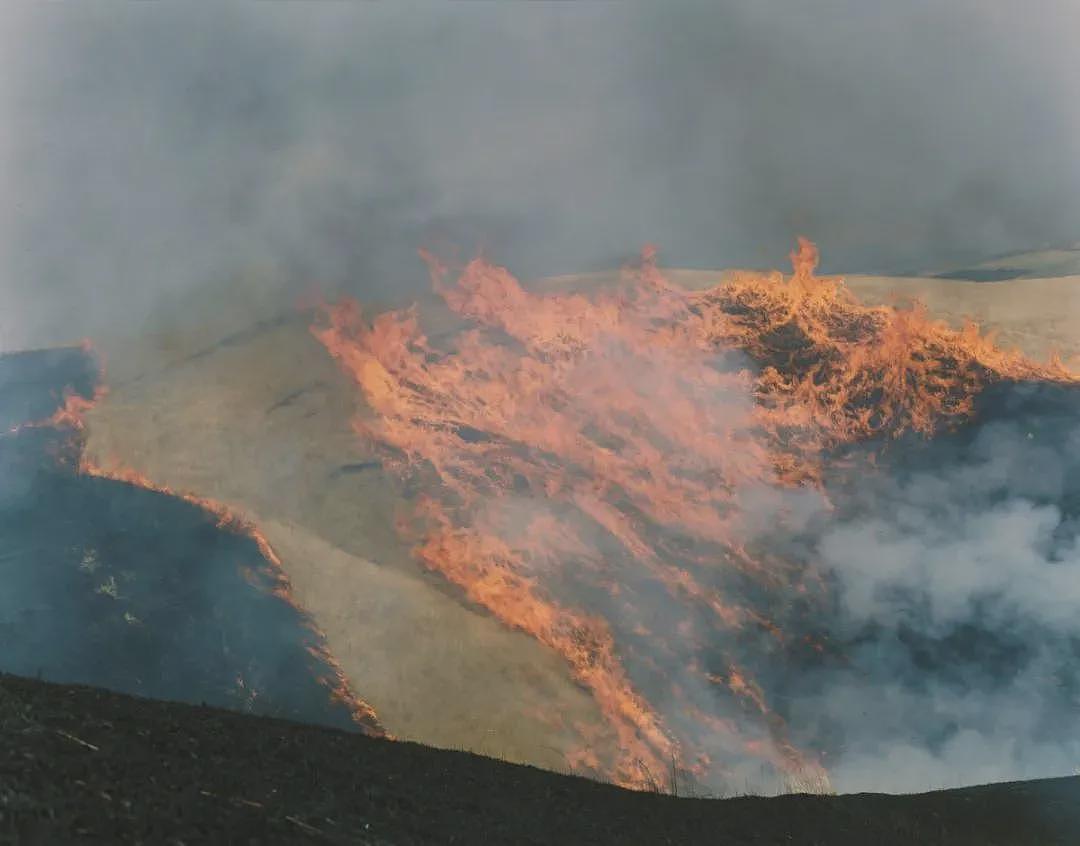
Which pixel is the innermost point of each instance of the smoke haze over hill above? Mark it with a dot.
(155, 150)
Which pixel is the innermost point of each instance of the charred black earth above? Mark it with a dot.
(110, 584)
(88, 766)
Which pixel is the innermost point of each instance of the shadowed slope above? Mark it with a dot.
(115, 769)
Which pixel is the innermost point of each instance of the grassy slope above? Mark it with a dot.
(259, 418)
(1027, 312)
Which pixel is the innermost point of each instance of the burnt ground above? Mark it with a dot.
(116, 585)
(80, 764)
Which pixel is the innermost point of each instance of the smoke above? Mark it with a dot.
(158, 155)
(956, 573)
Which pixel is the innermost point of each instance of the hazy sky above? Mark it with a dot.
(152, 148)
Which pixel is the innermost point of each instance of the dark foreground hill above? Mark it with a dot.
(80, 764)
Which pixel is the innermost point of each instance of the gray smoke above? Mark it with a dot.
(158, 152)
(957, 584)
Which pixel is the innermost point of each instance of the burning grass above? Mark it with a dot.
(600, 470)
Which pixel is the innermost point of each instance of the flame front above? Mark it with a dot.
(337, 685)
(71, 415)
(595, 466)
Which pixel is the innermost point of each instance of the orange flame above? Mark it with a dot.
(592, 446)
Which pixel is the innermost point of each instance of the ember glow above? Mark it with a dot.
(603, 472)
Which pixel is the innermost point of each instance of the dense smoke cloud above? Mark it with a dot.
(956, 575)
(155, 151)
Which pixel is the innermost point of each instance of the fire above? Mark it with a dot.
(844, 371)
(595, 465)
(71, 412)
(74, 409)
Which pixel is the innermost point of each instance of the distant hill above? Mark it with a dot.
(1035, 264)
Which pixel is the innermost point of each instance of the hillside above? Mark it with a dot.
(259, 418)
